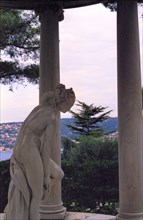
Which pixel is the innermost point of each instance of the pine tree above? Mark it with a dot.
(19, 42)
(87, 119)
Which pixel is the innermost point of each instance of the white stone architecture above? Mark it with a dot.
(129, 113)
(129, 97)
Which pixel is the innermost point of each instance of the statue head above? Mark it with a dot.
(65, 98)
(62, 99)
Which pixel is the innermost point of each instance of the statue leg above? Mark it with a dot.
(56, 172)
(34, 172)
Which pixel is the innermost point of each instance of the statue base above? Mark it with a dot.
(52, 212)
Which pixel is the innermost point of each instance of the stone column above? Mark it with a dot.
(129, 113)
(51, 207)
(49, 50)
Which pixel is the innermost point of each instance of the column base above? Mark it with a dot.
(51, 212)
(129, 216)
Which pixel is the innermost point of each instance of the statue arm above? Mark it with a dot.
(47, 143)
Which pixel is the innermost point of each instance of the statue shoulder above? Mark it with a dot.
(51, 115)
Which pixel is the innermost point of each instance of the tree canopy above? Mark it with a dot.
(12, 72)
(91, 177)
(19, 46)
(19, 34)
(87, 119)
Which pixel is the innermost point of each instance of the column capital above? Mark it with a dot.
(56, 8)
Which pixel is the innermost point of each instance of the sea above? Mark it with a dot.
(5, 155)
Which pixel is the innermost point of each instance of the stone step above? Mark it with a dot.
(80, 216)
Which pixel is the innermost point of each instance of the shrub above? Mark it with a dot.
(91, 176)
(4, 183)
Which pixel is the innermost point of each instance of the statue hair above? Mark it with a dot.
(53, 98)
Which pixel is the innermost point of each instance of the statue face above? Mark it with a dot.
(66, 105)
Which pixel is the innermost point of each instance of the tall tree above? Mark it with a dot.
(87, 119)
(112, 4)
(19, 33)
(19, 46)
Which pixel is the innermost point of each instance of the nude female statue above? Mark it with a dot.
(31, 166)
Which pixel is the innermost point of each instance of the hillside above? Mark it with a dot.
(9, 131)
(109, 125)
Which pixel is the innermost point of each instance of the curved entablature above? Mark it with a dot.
(32, 4)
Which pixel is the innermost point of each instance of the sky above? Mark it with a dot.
(88, 64)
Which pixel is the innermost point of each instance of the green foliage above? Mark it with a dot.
(112, 5)
(91, 176)
(109, 208)
(87, 119)
(67, 147)
(4, 183)
(11, 72)
(19, 42)
(19, 33)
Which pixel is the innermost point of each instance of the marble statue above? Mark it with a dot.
(32, 170)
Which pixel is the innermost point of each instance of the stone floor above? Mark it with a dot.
(80, 216)
(87, 216)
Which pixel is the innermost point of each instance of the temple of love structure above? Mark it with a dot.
(129, 97)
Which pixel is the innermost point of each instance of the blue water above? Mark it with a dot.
(5, 155)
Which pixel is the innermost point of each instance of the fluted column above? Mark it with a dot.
(129, 113)
(51, 207)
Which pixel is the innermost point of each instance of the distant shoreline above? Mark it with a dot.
(5, 155)
(9, 131)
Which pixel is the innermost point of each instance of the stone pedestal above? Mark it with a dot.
(51, 207)
(129, 113)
